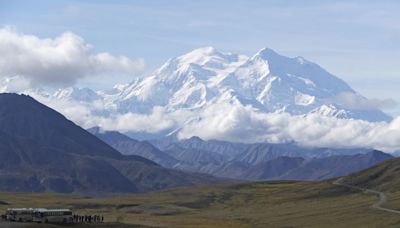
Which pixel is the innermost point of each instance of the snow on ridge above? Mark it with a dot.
(304, 99)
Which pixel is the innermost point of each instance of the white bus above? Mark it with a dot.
(20, 214)
(43, 215)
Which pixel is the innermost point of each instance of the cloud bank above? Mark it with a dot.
(238, 123)
(59, 61)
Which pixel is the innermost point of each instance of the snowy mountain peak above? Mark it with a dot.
(203, 51)
(208, 57)
(73, 93)
(281, 62)
(200, 56)
(266, 53)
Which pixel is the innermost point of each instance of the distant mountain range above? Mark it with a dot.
(41, 150)
(247, 161)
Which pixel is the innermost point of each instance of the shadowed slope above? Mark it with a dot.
(41, 150)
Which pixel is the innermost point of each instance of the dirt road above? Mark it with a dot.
(382, 197)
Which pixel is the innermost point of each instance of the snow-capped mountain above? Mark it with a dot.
(266, 81)
(205, 82)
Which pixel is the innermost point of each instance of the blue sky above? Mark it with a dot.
(356, 40)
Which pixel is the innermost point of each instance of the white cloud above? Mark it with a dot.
(58, 61)
(157, 121)
(354, 101)
(243, 124)
(86, 115)
(237, 123)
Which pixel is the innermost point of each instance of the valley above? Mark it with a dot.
(262, 204)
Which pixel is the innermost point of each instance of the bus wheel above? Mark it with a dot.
(20, 220)
(64, 220)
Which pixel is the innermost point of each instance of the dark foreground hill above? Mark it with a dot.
(42, 151)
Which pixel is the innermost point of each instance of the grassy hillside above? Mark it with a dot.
(279, 204)
(383, 177)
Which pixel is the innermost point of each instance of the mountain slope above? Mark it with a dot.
(273, 169)
(334, 166)
(382, 177)
(41, 150)
(263, 152)
(24, 117)
(299, 168)
(29, 166)
(227, 149)
(129, 146)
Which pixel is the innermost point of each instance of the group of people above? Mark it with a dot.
(88, 218)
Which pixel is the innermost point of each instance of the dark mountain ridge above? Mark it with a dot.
(335, 166)
(41, 150)
(24, 117)
(131, 147)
